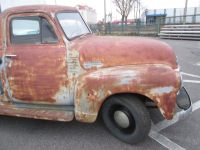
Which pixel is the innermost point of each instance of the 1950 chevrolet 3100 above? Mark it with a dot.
(53, 68)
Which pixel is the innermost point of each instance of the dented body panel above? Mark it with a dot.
(101, 52)
(95, 87)
(83, 72)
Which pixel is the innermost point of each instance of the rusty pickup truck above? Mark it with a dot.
(52, 67)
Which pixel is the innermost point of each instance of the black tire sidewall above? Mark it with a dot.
(137, 110)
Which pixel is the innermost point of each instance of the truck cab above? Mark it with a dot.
(54, 68)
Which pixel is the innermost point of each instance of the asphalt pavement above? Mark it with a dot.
(30, 134)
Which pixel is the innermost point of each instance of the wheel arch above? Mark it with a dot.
(158, 83)
(141, 97)
(144, 99)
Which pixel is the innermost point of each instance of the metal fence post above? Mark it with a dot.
(158, 26)
(185, 12)
(174, 15)
(109, 27)
(139, 27)
(195, 15)
(122, 25)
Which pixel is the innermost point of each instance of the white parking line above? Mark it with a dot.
(166, 123)
(191, 81)
(191, 75)
(198, 64)
(164, 141)
(196, 106)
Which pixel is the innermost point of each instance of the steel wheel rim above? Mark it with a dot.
(119, 111)
(122, 119)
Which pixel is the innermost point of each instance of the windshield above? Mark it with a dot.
(72, 24)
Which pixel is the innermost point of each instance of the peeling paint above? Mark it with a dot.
(127, 79)
(63, 97)
(8, 109)
(74, 68)
(162, 90)
(157, 82)
(84, 72)
(94, 64)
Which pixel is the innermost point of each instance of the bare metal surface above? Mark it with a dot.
(9, 109)
(95, 87)
(86, 71)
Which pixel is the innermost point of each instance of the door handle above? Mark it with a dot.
(10, 56)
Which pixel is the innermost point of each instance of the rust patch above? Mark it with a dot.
(91, 69)
(161, 84)
(10, 110)
(38, 73)
(107, 51)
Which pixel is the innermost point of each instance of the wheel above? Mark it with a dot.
(127, 118)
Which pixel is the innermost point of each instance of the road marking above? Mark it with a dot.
(161, 139)
(191, 81)
(167, 123)
(196, 106)
(191, 75)
(164, 141)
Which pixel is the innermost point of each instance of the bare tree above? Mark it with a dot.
(124, 7)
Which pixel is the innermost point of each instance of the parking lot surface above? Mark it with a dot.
(30, 134)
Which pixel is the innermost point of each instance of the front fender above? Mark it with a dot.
(159, 83)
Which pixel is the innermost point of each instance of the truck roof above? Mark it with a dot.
(39, 8)
(48, 9)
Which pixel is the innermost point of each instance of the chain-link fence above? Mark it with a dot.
(143, 28)
(129, 29)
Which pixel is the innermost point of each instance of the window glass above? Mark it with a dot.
(72, 24)
(48, 34)
(32, 30)
(25, 27)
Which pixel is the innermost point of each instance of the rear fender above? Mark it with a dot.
(159, 83)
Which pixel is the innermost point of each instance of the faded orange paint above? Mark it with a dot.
(37, 73)
(10, 110)
(119, 51)
(90, 69)
(139, 79)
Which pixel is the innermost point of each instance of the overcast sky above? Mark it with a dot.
(98, 5)
(150, 4)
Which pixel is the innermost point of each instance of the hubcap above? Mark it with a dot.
(122, 119)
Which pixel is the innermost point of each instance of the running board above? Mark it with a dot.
(44, 112)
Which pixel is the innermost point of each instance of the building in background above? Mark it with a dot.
(88, 13)
(172, 16)
(119, 22)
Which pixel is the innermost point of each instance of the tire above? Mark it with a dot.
(127, 118)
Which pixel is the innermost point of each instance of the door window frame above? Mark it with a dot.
(31, 18)
(25, 15)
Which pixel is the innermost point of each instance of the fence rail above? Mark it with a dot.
(143, 28)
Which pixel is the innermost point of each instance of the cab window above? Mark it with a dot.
(32, 30)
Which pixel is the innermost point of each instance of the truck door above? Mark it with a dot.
(36, 69)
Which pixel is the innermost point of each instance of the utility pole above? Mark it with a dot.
(185, 11)
(105, 12)
(139, 9)
(55, 2)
